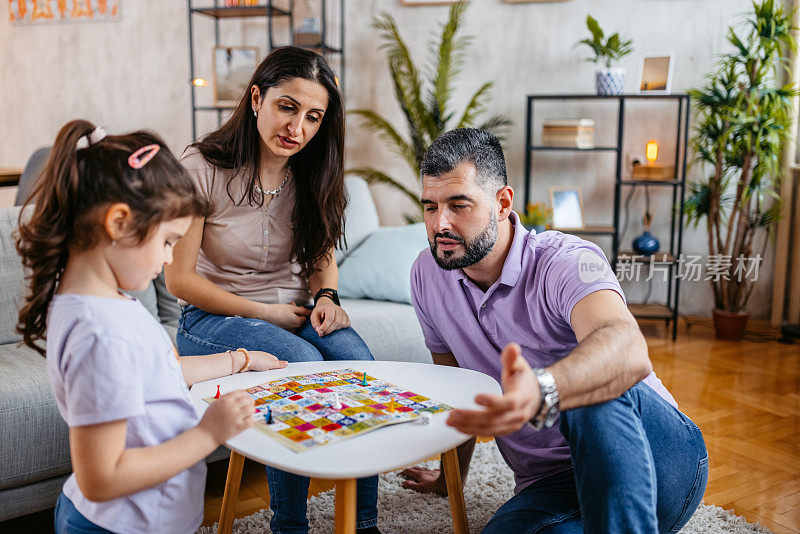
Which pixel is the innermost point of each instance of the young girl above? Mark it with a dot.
(108, 211)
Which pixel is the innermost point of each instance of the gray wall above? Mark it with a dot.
(133, 73)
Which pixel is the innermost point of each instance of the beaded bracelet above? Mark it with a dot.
(246, 360)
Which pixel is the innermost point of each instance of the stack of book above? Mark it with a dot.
(573, 133)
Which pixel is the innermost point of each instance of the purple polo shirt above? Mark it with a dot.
(543, 277)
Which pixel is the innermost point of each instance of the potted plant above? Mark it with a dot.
(743, 117)
(425, 100)
(537, 216)
(609, 80)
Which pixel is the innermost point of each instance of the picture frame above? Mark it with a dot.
(232, 66)
(655, 74)
(567, 205)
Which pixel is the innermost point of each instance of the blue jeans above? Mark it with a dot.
(640, 465)
(200, 332)
(68, 520)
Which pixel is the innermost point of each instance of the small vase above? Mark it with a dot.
(645, 244)
(729, 325)
(610, 81)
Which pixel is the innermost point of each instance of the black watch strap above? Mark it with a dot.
(327, 292)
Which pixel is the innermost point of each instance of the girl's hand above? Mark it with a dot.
(264, 361)
(287, 316)
(229, 415)
(327, 317)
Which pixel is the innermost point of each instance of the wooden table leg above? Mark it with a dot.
(231, 496)
(344, 515)
(455, 492)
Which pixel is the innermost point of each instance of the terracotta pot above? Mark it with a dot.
(730, 325)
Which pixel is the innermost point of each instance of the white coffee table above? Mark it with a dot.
(379, 451)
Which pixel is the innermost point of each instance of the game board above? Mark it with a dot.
(305, 416)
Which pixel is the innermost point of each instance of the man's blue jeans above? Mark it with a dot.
(200, 332)
(640, 465)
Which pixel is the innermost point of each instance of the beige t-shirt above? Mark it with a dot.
(246, 249)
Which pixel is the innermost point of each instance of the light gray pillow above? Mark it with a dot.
(360, 216)
(12, 277)
(380, 268)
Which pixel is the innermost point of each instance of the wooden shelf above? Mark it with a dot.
(587, 230)
(240, 11)
(650, 182)
(575, 148)
(658, 257)
(650, 311)
(9, 176)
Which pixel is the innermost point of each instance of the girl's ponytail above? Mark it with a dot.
(44, 239)
(87, 171)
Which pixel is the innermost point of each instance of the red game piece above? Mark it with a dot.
(217, 395)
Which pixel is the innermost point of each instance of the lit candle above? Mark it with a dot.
(651, 152)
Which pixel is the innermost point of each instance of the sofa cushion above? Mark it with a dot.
(380, 268)
(360, 216)
(169, 311)
(34, 442)
(390, 330)
(12, 277)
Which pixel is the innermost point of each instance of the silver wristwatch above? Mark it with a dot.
(547, 413)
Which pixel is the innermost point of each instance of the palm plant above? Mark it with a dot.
(424, 99)
(743, 117)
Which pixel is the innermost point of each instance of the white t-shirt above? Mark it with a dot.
(109, 359)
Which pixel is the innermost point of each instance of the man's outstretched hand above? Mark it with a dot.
(506, 413)
(424, 480)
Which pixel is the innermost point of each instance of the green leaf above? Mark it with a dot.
(374, 176)
(449, 60)
(380, 125)
(594, 28)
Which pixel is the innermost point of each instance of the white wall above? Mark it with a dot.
(133, 73)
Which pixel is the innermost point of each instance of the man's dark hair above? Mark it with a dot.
(479, 147)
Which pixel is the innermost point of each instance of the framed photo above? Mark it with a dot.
(567, 208)
(233, 67)
(656, 75)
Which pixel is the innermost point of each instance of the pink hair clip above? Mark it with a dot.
(149, 152)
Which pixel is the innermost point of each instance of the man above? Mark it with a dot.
(492, 297)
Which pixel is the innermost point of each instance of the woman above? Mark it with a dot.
(274, 179)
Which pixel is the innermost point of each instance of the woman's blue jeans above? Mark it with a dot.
(640, 465)
(200, 332)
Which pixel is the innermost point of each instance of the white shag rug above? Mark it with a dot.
(490, 484)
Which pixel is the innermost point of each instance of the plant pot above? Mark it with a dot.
(729, 325)
(610, 81)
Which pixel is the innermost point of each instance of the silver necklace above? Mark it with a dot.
(274, 191)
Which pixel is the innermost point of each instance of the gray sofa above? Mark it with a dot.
(34, 448)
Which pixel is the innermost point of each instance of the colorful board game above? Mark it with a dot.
(308, 411)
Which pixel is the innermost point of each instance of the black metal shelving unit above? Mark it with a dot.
(268, 10)
(668, 310)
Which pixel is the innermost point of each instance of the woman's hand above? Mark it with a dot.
(327, 317)
(287, 316)
(264, 361)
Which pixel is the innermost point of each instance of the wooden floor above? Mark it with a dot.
(745, 396)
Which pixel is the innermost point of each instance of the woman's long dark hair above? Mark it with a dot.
(318, 215)
(69, 198)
